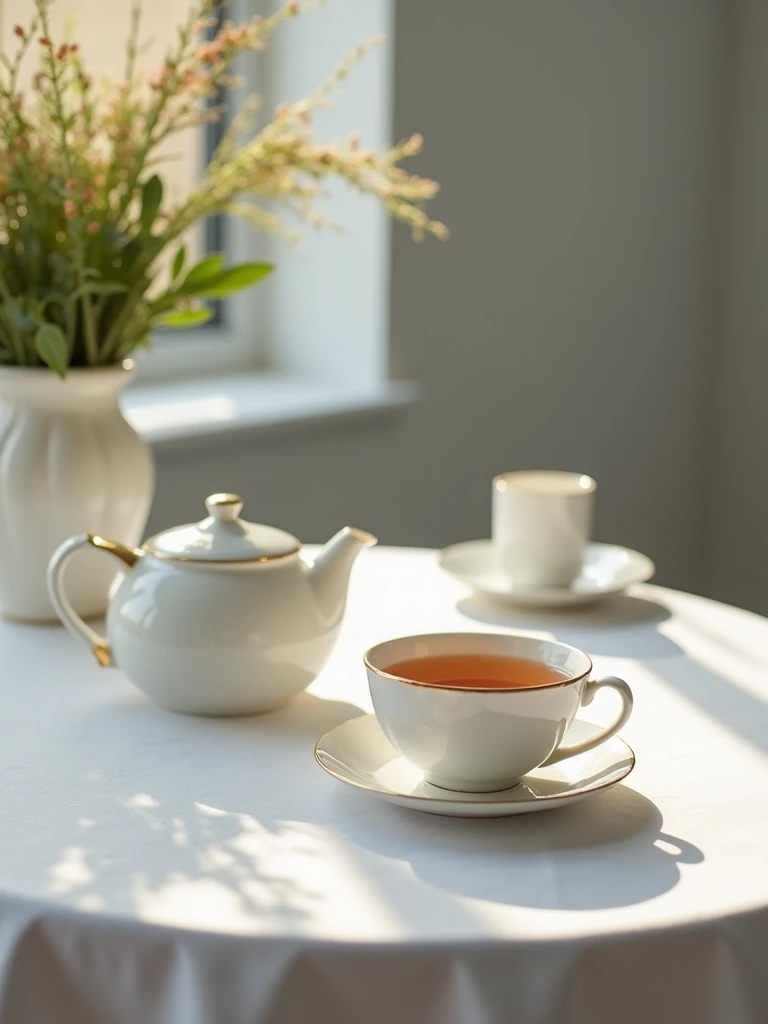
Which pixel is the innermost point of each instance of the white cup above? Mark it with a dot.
(481, 741)
(541, 525)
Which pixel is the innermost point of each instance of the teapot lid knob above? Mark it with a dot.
(223, 537)
(224, 507)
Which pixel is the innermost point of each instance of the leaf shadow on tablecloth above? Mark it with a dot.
(609, 851)
(198, 822)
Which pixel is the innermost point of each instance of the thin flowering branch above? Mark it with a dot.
(195, 70)
(276, 164)
(165, 86)
(132, 46)
(54, 61)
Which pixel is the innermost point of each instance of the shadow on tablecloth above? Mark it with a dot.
(609, 851)
(623, 627)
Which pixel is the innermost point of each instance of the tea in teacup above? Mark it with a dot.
(477, 671)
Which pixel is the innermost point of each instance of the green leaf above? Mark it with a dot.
(185, 318)
(99, 288)
(151, 197)
(178, 262)
(233, 279)
(202, 271)
(51, 346)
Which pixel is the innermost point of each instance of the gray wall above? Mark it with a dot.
(566, 324)
(737, 480)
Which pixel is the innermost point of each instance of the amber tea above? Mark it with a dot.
(478, 672)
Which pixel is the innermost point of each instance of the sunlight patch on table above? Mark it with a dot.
(71, 872)
(743, 666)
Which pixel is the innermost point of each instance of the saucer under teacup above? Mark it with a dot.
(608, 569)
(358, 753)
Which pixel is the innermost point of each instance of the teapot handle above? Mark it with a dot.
(77, 627)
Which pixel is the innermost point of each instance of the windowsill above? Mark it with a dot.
(186, 412)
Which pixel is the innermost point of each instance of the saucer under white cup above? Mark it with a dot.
(607, 569)
(359, 754)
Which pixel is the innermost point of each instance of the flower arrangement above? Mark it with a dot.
(83, 217)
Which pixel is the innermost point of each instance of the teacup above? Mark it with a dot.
(541, 525)
(480, 740)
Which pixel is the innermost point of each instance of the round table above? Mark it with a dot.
(161, 868)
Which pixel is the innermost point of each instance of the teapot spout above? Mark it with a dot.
(329, 574)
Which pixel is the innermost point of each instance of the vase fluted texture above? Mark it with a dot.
(69, 463)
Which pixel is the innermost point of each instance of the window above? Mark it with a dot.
(322, 315)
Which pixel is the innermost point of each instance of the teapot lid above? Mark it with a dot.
(223, 537)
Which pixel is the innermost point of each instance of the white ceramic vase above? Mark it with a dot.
(69, 463)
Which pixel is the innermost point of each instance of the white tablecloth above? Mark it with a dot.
(159, 868)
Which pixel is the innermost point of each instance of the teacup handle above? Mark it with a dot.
(623, 690)
(99, 645)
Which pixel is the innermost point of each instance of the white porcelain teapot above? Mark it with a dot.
(222, 617)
